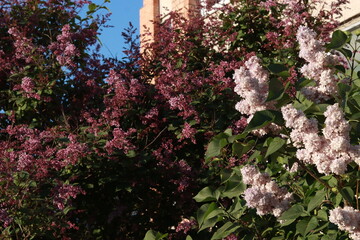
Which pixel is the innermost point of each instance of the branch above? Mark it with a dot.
(155, 138)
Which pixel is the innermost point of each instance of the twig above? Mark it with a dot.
(312, 174)
(357, 194)
(357, 191)
(155, 138)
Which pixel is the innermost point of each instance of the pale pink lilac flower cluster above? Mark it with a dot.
(5, 219)
(181, 103)
(121, 140)
(347, 219)
(150, 118)
(317, 68)
(73, 152)
(252, 85)
(231, 237)
(34, 151)
(293, 13)
(264, 195)
(239, 125)
(188, 132)
(23, 46)
(63, 48)
(64, 192)
(186, 174)
(123, 91)
(332, 152)
(24, 161)
(28, 85)
(185, 225)
(235, 161)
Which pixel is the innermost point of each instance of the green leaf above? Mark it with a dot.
(207, 195)
(171, 127)
(303, 82)
(233, 138)
(323, 226)
(337, 200)
(292, 213)
(225, 175)
(347, 53)
(92, 7)
(322, 215)
(338, 40)
(228, 132)
(256, 154)
(304, 102)
(233, 188)
(153, 235)
(267, 231)
(225, 230)
(313, 237)
(348, 194)
(275, 145)
(317, 109)
(214, 217)
(68, 209)
(239, 149)
(215, 146)
(264, 118)
(306, 225)
(341, 68)
(131, 154)
(355, 116)
(316, 200)
(188, 237)
(208, 215)
(32, 184)
(344, 89)
(204, 211)
(276, 90)
(357, 99)
(278, 69)
(179, 63)
(330, 235)
(237, 209)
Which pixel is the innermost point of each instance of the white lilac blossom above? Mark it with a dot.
(252, 84)
(332, 152)
(264, 194)
(317, 69)
(347, 219)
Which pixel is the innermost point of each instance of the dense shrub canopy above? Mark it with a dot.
(90, 149)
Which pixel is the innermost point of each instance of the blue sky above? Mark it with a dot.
(123, 12)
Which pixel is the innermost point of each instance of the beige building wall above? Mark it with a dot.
(351, 16)
(149, 14)
(165, 6)
(153, 9)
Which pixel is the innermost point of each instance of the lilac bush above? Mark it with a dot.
(300, 179)
(91, 149)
